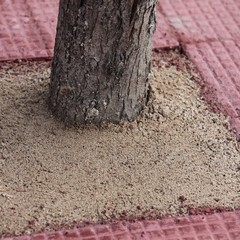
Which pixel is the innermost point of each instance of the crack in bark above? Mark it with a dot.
(82, 2)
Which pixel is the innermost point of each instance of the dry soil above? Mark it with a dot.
(177, 154)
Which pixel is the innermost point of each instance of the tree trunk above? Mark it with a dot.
(102, 60)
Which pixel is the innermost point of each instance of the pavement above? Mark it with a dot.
(220, 226)
(208, 31)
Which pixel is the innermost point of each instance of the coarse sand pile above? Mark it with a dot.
(51, 174)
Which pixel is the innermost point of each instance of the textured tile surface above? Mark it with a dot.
(203, 20)
(209, 32)
(222, 226)
(218, 64)
(27, 28)
(165, 35)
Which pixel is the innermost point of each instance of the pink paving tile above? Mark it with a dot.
(164, 36)
(224, 226)
(34, 22)
(27, 28)
(203, 20)
(218, 64)
(182, 19)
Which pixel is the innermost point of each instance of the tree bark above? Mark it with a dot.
(102, 60)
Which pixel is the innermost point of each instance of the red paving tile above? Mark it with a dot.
(27, 28)
(204, 20)
(209, 32)
(218, 226)
(219, 69)
(165, 36)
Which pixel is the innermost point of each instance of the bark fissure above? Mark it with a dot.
(102, 58)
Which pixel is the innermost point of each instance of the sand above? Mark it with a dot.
(177, 154)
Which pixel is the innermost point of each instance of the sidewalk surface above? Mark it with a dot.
(208, 31)
(222, 226)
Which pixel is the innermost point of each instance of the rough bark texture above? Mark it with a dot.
(102, 60)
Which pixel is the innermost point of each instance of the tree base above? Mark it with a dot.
(102, 60)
